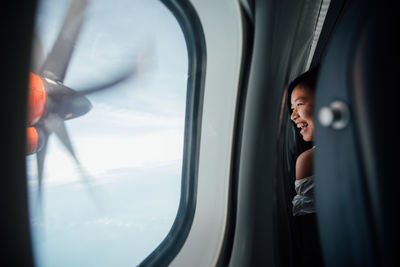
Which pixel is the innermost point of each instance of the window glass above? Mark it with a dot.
(118, 203)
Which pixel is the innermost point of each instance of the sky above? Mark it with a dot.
(119, 206)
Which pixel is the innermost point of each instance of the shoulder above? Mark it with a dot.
(304, 164)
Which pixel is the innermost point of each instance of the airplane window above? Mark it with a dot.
(105, 163)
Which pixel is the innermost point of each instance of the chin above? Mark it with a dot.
(307, 138)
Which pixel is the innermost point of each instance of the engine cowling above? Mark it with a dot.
(36, 99)
(34, 140)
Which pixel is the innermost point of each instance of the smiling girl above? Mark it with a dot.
(301, 97)
(301, 105)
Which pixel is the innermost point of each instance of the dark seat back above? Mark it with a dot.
(356, 182)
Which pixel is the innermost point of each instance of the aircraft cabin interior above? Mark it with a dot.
(199, 133)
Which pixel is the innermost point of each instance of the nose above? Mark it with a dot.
(294, 115)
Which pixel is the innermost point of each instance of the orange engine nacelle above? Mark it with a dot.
(36, 99)
(32, 140)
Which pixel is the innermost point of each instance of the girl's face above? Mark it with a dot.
(302, 104)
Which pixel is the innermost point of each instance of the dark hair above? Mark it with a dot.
(309, 80)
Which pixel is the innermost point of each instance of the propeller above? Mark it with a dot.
(50, 101)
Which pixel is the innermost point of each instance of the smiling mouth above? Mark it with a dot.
(302, 126)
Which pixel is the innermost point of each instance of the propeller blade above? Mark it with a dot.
(55, 124)
(40, 158)
(139, 66)
(87, 180)
(56, 64)
(38, 54)
(107, 85)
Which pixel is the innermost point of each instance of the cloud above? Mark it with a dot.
(130, 139)
(113, 222)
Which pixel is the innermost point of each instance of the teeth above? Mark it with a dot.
(302, 125)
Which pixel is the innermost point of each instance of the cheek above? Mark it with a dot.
(310, 132)
(311, 125)
(308, 114)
